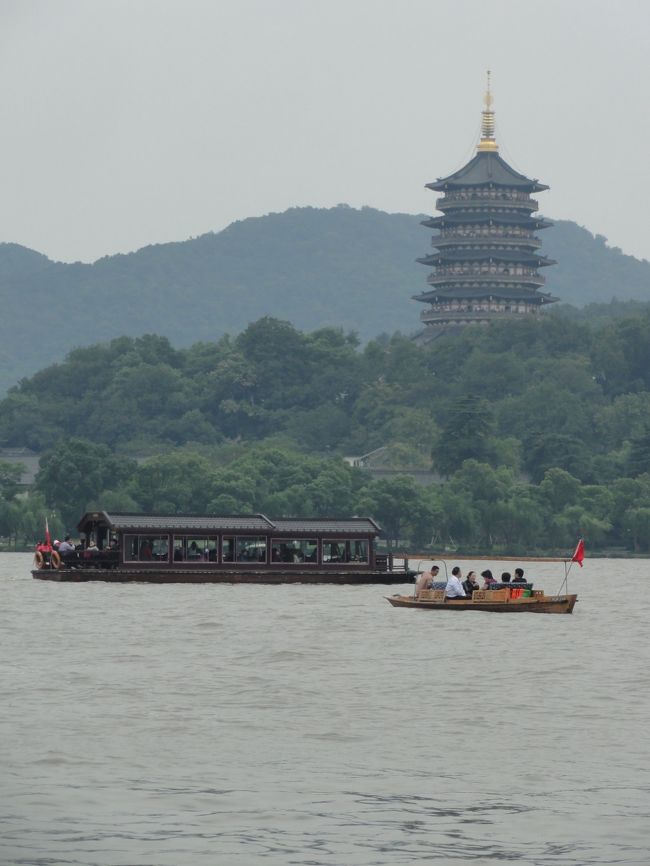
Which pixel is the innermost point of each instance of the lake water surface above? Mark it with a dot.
(175, 725)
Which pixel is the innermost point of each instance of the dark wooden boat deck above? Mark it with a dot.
(116, 575)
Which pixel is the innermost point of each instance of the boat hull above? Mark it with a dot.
(123, 575)
(535, 604)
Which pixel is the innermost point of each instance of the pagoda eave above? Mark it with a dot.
(486, 255)
(484, 169)
(445, 185)
(514, 219)
(504, 293)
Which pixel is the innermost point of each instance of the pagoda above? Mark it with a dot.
(486, 253)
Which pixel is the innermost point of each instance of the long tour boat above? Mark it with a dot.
(251, 548)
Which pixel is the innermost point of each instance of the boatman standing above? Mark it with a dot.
(426, 579)
(454, 588)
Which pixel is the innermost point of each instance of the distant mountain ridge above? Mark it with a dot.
(353, 269)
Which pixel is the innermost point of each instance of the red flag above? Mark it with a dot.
(48, 537)
(579, 553)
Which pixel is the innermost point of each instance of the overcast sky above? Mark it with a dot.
(144, 121)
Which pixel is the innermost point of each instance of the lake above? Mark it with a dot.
(167, 725)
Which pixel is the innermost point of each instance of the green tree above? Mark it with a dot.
(174, 483)
(394, 503)
(10, 475)
(639, 457)
(636, 521)
(559, 488)
(557, 450)
(76, 472)
(464, 435)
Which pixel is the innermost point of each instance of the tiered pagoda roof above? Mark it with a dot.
(486, 262)
(486, 168)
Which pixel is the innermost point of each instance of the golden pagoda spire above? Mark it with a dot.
(487, 141)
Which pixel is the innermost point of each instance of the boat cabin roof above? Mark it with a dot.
(123, 522)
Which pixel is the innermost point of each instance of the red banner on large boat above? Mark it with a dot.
(48, 538)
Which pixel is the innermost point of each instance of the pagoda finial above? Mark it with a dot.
(487, 141)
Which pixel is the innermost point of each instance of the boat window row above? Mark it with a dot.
(243, 548)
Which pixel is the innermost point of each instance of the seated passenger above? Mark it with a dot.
(519, 576)
(505, 577)
(178, 554)
(193, 551)
(488, 578)
(471, 583)
(426, 579)
(66, 546)
(146, 551)
(454, 588)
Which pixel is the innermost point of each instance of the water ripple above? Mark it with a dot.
(158, 726)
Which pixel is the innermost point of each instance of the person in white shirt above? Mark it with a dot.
(454, 588)
(425, 580)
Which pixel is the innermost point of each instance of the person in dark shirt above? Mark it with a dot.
(519, 576)
(470, 583)
(505, 577)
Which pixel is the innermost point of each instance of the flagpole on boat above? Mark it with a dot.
(565, 582)
(578, 556)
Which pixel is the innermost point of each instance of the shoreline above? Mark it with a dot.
(497, 557)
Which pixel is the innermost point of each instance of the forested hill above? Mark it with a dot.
(539, 428)
(340, 267)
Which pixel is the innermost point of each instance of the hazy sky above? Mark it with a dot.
(130, 123)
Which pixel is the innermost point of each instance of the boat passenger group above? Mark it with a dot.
(456, 587)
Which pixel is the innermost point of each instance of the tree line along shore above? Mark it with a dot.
(534, 432)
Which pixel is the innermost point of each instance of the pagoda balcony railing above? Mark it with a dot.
(484, 240)
(449, 202)
(472, 315)
(485, 279)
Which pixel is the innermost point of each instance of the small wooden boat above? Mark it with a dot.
(503, 600)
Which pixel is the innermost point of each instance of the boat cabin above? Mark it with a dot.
(244, 542)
